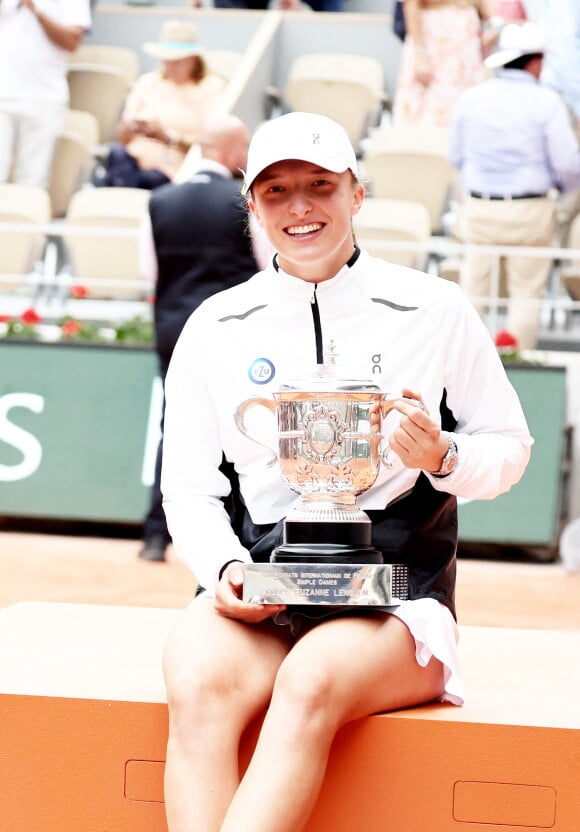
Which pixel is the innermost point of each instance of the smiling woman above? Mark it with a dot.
(305, 194)
(321, 298)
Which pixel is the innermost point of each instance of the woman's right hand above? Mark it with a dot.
(127, 130)
(228, 598)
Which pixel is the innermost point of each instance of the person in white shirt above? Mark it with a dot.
(228, 660)
(35, 37)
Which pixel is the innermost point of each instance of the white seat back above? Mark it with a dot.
(108, 256)
(346, 88)
(382, 220)
(411, 165)
(20, 250)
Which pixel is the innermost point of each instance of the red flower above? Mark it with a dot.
(5, 318)
(70, 328)
(506, 339)
(79, 291)
(30, 317)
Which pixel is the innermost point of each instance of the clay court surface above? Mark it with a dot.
(95, 570)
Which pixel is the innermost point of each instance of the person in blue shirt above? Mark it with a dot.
(560, 21)
(513, 142)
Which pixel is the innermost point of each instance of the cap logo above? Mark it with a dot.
(316, 138)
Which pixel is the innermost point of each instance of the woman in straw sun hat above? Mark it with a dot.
(164, 110)
(229, 661)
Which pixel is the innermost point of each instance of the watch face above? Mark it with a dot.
(448, 464)
(449, 461)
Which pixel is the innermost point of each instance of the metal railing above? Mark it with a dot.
(51, 280)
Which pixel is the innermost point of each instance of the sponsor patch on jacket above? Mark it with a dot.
(261, 371)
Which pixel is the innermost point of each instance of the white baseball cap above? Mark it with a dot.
(516, 40)
(309, 137)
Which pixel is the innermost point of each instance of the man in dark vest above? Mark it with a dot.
(198, 244)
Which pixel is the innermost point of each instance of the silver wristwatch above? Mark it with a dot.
(449, 461)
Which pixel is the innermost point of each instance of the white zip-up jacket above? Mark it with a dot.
(399, 327)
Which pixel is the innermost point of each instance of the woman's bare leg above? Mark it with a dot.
(341, 670)
(219, 675)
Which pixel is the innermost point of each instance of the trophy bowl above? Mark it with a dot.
(329, 436)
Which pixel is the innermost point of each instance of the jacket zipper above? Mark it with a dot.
(317, 327)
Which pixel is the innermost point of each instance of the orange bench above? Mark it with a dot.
(83, 727)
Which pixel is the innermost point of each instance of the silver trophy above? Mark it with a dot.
(329, 450)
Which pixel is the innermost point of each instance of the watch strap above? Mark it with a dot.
(448, 462)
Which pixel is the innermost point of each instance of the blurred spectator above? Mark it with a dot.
(509, 10)
(560, 20)
(196, 244)
(399, 19)
(164, 111)
(236, 4)
(281, 5)
(532, 8)
(326, 5)
(442, 55)
(513, 143)
(289, 6)
(34, 40)
(278, 5)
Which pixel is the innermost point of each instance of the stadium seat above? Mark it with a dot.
(571, 272)
(411, 164)
(109, 256)
(112, 57)
(73, 161)
(84, 125)
(223, 62)
(100, 90)
(381, 220)
(20, 251)
(348, 88)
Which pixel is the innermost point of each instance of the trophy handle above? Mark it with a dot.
(240, 424)
(388, 403)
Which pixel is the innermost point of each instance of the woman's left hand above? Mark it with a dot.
(418, 440)
(228, 598)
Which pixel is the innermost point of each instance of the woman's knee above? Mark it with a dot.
(307, 691)
(196, 682)
(207, 685)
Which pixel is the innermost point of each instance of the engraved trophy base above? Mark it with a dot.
(325, 574)
(325, 562)
(330, 584)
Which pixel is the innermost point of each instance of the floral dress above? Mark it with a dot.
(452, 35)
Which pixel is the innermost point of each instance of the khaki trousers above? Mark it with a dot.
(518, 222)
